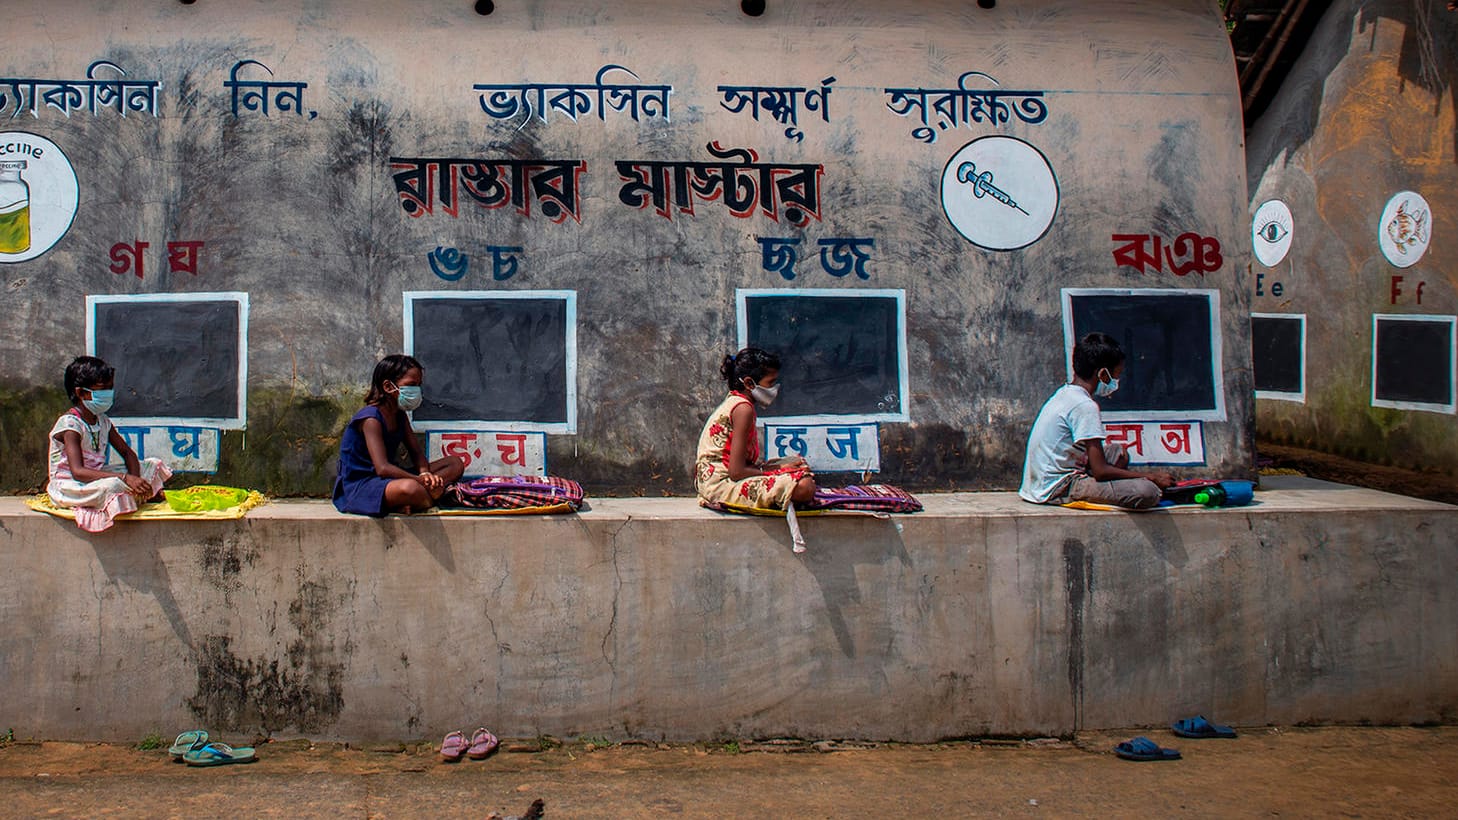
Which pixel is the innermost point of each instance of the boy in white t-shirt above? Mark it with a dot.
(1068, 459)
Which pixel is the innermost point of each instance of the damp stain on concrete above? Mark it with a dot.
(300, 688)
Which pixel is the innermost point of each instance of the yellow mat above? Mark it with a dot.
(799, 513)
(1094, 505)
(155, 511)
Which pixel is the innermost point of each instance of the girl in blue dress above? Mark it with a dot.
(369, 480)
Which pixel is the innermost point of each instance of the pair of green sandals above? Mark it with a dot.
(193, 748)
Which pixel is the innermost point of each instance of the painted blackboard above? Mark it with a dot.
(843, 351)
(1278, 355)
(1412, 362)
(508, 358)
(179, 358)
(1171, 339)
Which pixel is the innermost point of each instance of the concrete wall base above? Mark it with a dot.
(652, 618)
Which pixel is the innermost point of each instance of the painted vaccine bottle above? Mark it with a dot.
(14, 208)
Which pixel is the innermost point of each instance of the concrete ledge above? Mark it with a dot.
(654, 618)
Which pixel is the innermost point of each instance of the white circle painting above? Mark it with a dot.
(1405, 229)
(1000, 193)
(1270, 232)
(38, 195)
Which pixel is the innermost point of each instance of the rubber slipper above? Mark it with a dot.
(1143, 749)
(453, 747)
(483, 743)
(194, 739)
(1199, 728)
(218, 754)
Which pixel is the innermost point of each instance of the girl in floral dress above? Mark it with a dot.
(728, 469)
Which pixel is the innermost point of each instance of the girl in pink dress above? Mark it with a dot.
(78, 477)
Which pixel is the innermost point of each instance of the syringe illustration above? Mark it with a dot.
(982, 185)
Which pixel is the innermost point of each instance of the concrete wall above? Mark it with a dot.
(652, 618)
(1368, 111)
(301, 213)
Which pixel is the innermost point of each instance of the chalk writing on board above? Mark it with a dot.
(491, 452)
(1000, 193)
(93, 94)
(950, 108)
(1188, 253)
(504, 102)
(1160, 442)
(423, 183)
(129, 257)
(451, 265)
(839, 256)
(255, 95)
(186, 449)
(780, 103)
(737, 179)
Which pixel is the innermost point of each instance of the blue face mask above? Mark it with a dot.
(1106, 389)
(410, 397)
(100, 400)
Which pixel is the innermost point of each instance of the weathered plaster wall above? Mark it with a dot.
(1143, 132)
(1368, 111)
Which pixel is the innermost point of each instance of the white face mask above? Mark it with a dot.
(1106, 389)
(764, 396)
(409, 397)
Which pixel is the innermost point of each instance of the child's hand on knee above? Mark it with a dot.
(138, 486)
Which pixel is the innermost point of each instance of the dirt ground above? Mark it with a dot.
(1304, 772)
(1433, 486)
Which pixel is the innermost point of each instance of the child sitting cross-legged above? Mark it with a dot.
(1068, 459)
(79, 477)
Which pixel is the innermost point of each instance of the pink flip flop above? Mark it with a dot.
(453, 747)
(483, 743)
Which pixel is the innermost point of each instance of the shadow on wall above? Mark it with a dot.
(1428, 59)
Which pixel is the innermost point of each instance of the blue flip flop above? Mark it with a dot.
(218, 754)
(1143, 749)
(1199, 728)
(187, 741)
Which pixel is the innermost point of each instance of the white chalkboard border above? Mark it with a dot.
(903, 383)
(1217, 357)
(1452, 406)
(502, 425)
(1282, 395)
(237, 422)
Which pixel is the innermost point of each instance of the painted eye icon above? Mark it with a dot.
(1273, 231)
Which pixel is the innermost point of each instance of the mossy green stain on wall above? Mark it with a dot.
(291, 446)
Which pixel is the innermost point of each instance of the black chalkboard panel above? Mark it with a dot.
(842, 352)
(1413, 362)
(176, 357)
(495, 357)
(1171, 340)
(1278, 353)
